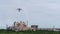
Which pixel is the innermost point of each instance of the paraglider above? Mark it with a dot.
(19, 9)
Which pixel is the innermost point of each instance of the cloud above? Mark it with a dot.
(41, 11)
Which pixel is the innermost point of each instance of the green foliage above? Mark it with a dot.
(3, 31)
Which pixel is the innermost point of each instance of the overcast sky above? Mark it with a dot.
(45, 13)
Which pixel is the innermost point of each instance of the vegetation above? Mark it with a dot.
(3, 31)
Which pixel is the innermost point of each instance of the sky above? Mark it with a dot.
(44, 13)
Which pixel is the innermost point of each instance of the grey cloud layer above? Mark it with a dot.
(41, 11)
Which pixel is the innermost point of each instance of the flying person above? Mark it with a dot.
(19, 9)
